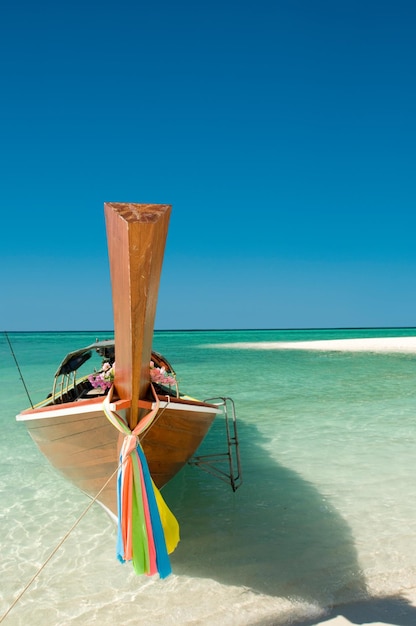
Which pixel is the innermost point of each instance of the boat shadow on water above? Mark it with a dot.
(277, 535)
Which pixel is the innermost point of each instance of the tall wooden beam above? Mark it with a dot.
(136, 235)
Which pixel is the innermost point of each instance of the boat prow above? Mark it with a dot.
(72, 426)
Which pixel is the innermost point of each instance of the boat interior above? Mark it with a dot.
(70, 384)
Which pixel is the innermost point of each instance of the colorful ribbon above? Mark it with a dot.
(147, 530)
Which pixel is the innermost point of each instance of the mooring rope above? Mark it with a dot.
(55, 550)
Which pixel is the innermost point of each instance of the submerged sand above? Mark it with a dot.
(379, 344)
(393, 612)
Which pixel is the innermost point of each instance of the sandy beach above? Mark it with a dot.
(379, 344)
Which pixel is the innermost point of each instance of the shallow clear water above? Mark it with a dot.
(326, 514)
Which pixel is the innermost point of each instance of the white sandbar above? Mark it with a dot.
(379, 344)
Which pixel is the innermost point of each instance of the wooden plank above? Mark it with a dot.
(136, 235)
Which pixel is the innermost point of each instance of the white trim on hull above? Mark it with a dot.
(84, 408)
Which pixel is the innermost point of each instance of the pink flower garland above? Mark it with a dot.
(160, 375)
(105, 378)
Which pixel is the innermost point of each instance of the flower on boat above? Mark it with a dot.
(103, 379)
(161, 376)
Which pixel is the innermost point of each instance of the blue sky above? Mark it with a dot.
(282, 132)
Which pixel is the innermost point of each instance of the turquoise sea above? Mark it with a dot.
(326, 515)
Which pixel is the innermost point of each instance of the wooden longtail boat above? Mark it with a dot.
(71, 427)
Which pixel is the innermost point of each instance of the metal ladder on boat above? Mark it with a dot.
(224, 465)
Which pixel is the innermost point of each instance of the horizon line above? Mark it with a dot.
(188, 330)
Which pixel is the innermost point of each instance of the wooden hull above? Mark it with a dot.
(80, 442)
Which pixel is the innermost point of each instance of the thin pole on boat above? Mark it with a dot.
(18, 368)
